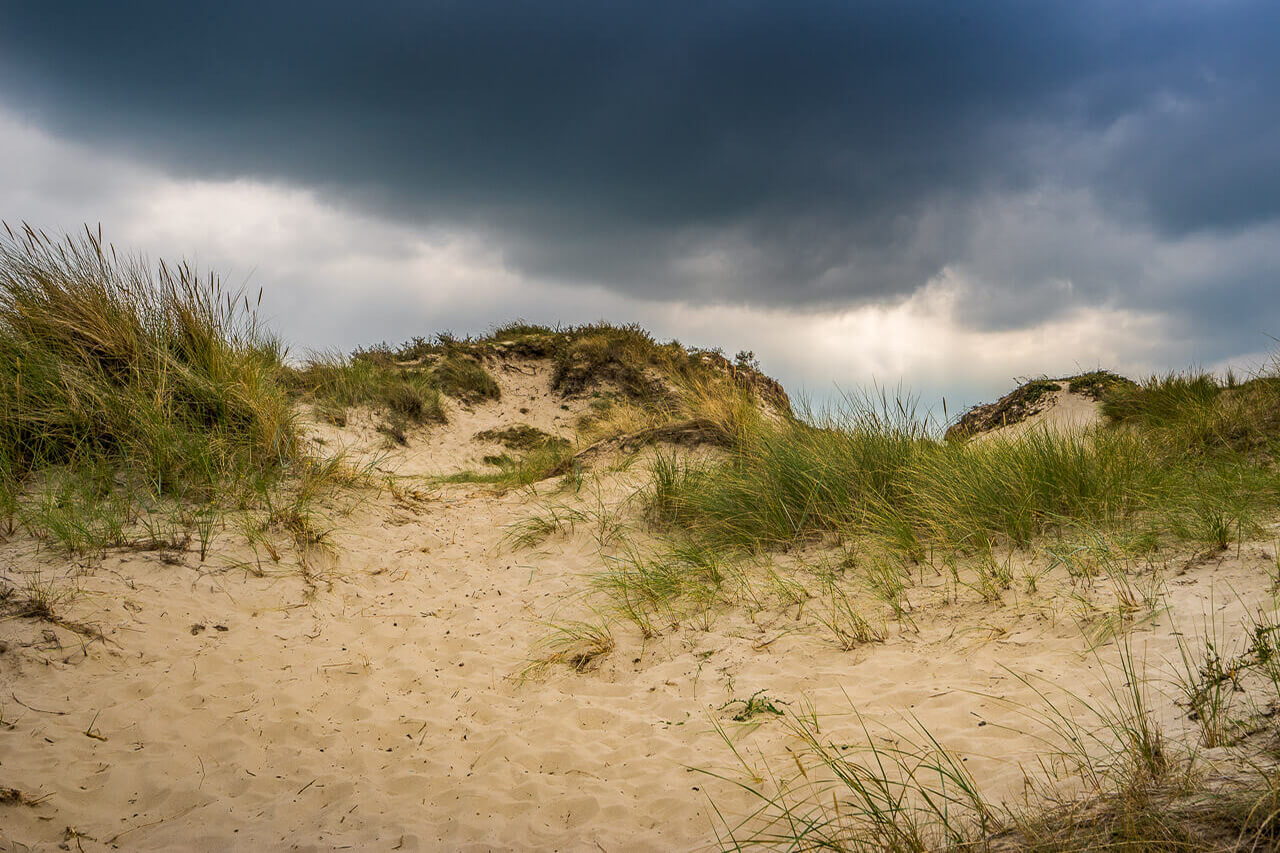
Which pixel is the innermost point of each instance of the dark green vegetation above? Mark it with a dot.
(403, 393)
(464, 378)
(539, 463)
(521, 437)
(534, 456)
(1098, 384)
(336, 384)
(541, 454)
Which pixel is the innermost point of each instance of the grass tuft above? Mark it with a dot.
(465, 378)
(578, 645)
(403, 396)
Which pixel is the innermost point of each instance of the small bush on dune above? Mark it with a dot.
(551, 459)
(464, 378)
(336, 383)
(521, 437)
(1098, 384)
(381, 379)
(158, 375)
(617, 354)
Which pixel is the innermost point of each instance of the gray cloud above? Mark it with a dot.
(334, 278)
(816, 154)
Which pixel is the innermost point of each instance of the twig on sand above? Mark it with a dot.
(37, 710)
(89, 732)
(73, 834)
(113, 839)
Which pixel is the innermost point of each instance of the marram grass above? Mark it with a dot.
(874, 469)
(126, 388)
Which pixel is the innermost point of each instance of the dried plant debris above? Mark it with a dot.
(18, 797)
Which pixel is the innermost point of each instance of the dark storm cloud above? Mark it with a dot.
(786, 152)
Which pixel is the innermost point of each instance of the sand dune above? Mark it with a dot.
(1063, 411)
(376, 701)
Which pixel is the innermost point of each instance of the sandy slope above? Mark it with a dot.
(1063, 412)
(526, 398)
(375, 703)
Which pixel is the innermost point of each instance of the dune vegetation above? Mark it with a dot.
(131, 398)
(1182, 457)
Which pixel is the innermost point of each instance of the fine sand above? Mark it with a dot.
(374, 700)
(1063, 411)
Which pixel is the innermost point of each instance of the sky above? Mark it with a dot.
(936, 196)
